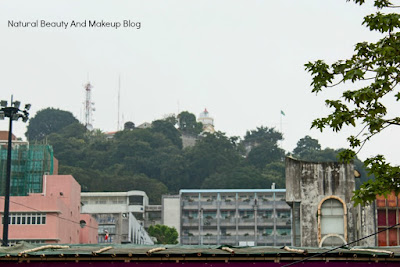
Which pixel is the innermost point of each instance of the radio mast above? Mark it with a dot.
(89, 107)
(119, 95)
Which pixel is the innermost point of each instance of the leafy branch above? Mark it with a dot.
(364, 105)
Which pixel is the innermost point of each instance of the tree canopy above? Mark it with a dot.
(262, 134)
(47, 121)
(306, 145)
(373, 72)
(164, 234)
(153, 159)
(188, 124)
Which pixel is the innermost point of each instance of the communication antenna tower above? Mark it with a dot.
(89, 107)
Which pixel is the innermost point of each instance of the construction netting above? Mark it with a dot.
(28, 165)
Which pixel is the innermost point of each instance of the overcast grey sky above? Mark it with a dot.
(242, 60)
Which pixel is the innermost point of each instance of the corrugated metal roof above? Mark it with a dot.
(114, 252)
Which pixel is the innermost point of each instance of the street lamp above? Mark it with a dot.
(14, 113)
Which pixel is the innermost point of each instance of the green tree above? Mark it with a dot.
(275, 173)
(373, 71)
(305, 146)
(264, 154)
(47, 121)
(188, 124)
(167, 128)
(68, 150)
(262, 145)
(164, 234)
(173, 168)
(172, 119)
(213, 153)
(153, 188)
(262, 134)
(236, 178)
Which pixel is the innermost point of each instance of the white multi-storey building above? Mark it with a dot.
(120, 214)
(230, 216)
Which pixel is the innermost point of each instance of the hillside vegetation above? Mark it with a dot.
(154, 160)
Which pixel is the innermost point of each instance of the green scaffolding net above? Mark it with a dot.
(28, 165)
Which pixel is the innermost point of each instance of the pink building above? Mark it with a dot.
(52, 216)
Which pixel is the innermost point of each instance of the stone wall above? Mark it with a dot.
(308, 183)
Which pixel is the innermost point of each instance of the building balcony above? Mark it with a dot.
(282, 205)
(231, 205)
(209, 208)
(265, 202)
(186, 222)
(246, 222)
(210, 240)
(267, 239)
(265, 221)
(284, 240)
(210, 222)
(246, 238)
(153, 208)
(209, 203)
(260, 240)
(190, 205)
(227, 240)
(190, 240)
(265, 206)
(283, 222)
(246, 205)
(228, 222)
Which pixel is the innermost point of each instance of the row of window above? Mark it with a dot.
(242, 214)
(268, 197)
(111, 229)
(103, 201)
(26, 218)
(30, 241)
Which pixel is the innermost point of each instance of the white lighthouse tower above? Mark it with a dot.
(207, 121)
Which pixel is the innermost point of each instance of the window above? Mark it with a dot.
(332, 217)
(332, 220)
(135, 200)
(388, 214)
(30, 241)
(109, 228)
(26, 218)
